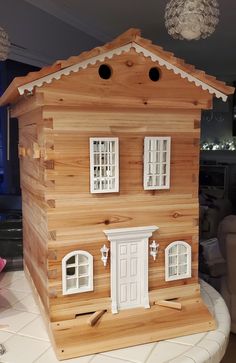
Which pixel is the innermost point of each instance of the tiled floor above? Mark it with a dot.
(26, 341)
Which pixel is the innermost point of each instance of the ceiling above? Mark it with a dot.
(42, 31)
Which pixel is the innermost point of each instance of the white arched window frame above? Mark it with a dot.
(77, 272)
(178, 258)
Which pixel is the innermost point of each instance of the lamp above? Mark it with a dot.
(154, 249)
(104, 251)
(4, 45)
(191, 19)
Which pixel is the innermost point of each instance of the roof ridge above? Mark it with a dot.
(183, 65)
(133, 35)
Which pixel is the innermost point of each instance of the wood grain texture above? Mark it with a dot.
(11, 95)
(131, 327)
(169, 304)
(79, 218)
(33, 203)
(87, 89)
(61, 215)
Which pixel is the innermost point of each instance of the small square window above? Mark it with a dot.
(83, 270)
(71, 260)
(70, 271)
(71, 284)
(83, 281)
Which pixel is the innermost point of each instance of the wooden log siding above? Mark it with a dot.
(59, 181)
(79, 217)
(87, 89)
(60, 185)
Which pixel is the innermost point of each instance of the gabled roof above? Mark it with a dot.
(130, 39)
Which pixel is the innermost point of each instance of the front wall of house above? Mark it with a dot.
(78, 218)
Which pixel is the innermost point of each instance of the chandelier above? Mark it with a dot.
(4, 45)
(191, 19)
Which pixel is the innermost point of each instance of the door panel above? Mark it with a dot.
(123, 293)
(123, 268)
(133, 267)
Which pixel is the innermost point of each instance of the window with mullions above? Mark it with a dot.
(104, 165)
(77, 272)
(177, 261)
(156, 163)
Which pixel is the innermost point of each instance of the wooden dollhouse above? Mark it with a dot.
(109, 158)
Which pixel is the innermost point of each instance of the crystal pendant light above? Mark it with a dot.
(4, 45)
(191, 19)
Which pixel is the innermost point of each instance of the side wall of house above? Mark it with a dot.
(34, 207)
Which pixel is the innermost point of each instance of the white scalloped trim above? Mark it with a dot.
(126, 48)
(176, 70)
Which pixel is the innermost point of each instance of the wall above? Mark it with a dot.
(129, 106)
(38, 38)
(216, 124)
(10, 179)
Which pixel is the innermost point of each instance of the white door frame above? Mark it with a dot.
(137, 234)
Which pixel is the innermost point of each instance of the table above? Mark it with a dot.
(206, 347)
(25, 332)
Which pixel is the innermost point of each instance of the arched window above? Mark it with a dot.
(77, 272)
(177, 261)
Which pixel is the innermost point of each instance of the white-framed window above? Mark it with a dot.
(104, 165)
(77, 272)
(178, 261)
(156, 163)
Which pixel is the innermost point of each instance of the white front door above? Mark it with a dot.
(129, 261)
(129, 266)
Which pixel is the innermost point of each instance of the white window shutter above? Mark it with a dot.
(156, 163)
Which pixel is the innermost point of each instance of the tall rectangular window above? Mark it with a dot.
(156, 163)
(104, 165)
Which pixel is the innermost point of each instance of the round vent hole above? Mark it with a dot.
(154, 74)
(105, 71)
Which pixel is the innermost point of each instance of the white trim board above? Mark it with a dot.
(120, 233)
(72, 69)
(117, 51)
